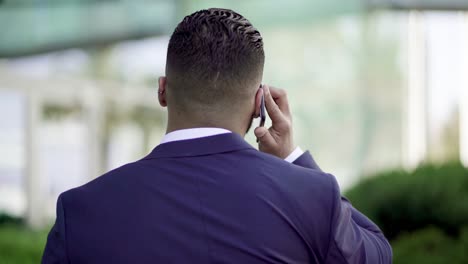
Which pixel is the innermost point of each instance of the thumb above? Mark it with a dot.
(264, 137)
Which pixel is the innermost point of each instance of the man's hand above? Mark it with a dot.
(278, 139)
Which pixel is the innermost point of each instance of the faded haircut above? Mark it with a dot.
(215, 58)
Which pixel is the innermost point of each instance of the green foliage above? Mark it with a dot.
(9, 219)
(431, 246)
(401, 202)
(19, 245)
(424, 213)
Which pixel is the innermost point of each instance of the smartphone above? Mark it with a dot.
(262, 111)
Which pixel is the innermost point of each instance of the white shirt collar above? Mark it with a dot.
(192, 133)
(200, 132)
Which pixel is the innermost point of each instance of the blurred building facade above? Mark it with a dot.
(369, 91)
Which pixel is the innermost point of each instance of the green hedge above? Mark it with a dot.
(431, 246)
(19, 245)
(424, 213)
(6, 219)
(400, 201)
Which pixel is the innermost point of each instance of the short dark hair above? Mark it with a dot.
(215, 57)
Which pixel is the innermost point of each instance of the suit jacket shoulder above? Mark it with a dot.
(212, 200)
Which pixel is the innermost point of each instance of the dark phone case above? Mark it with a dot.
(262, 111)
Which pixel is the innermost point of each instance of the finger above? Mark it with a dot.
(273, 109)
(281, 99)
(264, 137)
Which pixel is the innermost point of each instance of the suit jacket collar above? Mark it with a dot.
(200, 146)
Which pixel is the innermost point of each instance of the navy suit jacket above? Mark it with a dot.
(212, 200)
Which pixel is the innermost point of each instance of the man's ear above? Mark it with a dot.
(162, 81)
(258, 102)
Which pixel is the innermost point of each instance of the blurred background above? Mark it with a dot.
(378, 90)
